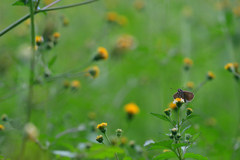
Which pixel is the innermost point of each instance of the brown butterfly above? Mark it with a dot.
(186, 95)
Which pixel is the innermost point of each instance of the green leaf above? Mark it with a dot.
(189, 117)
(18, 3)
(161, 116)
(127, 158)
(186, 129)
(195, 136)
(195, 156)
(179, 145)
(101, 151)
(52, 61)
(165, 155)
(161, 145)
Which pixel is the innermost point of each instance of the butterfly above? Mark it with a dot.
(186, 95)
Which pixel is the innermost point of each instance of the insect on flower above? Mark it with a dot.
(186, 95)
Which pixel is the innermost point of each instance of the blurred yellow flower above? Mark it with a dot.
(188, 61)
(66, 84)
(1, 127)
(236, 11)
(102, 125)
(139, 4)
(75, 84)
(56, 35)
(91, 115)
(172, 105)
(39, 40)
(131, 108)
(123, 140)
(229, 67)
(93, 71)
(190, 85)
(178, 100)
(125, 42)
(112, 16)
(102, 53)
(122, 20)
(210, 75)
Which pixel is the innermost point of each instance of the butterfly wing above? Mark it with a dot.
(188, 95)
(176, 95)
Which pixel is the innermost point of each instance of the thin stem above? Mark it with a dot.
(13, 25)
(36, 7)
(115, 154)
(200, 85)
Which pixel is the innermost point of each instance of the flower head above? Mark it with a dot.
(173, 106)
(167, 112)
(56, 35)
(174, 131)
(99, 139)
(1, 127)
(93, 71)
(210, 75)
(102, 127)
(39, 40)
(112, 16)
(178, 102)
(139, 4)
(4, 117)
(66, 84)
(75, 84)
(229, 66)
(31, 130)
(122, 20)
(190, 85)
(102, 53)
(119, 132)
(123, 140)
(189, 111)
(187, 63)
(125, 42)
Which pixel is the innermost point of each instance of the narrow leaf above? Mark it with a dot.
(165, 155)
(195, 156)
(186, 129)
(161, 116)
(52, 61)
(18, 3)
(195, 136)
(161, 145)
(191, 116)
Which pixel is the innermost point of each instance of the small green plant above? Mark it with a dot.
(178, 141)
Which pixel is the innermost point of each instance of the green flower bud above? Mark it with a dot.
(174, 131)
(99, 139)
(189, 111)
(167, 112)
(119, 132)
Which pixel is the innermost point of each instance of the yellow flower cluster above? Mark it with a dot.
(93, 71)
(56, 35)
(75, 84)
(102, 53)
(115, 17)
(188, 61)
(190, 85)
(1, 127)
(125, 42)
(102, 125)
(131, 108)
(210, 75)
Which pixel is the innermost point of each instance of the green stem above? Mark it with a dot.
(13, 25)
(115, 154)
(200, 85)
(36, 7)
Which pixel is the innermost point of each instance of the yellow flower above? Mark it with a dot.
(167, 112)
(210, 75)
(122, 20)
(39, 40)
(75, 84)
(131, 108)
(125, 42)
(123, 140)
(93, 71)
(102, 53)
(138, 4)
(189, 111)
(190, 85)
(1, 127)
(56, 35)
(172, 105)
(188, 61)
(102, 127)
(236, 11)
(31, 131)
(66, 84)
(229, 67)
(178, 100)
(99, 138)
(112, 16)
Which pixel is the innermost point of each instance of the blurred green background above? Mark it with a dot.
(148, 73)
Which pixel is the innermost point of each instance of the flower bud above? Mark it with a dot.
(188, 136)
(174, 131)
(99, 139)
(189, 111)
(102, 53)
(4, 117)
(178, 102)
(39, 40)
(102, 127)
(1, 127)
(178, 136)
(119, 132)
(167, 112)
(210, 75)
(171, 136)
(132, 143)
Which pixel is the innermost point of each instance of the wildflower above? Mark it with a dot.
(189, 111)
(139, 4)
(190, 85)
(113, 141)
(236, 65)
(1, 127)
(122, 20)
(91, 115)
(236, 11)
(125, 42)
(102, 127)
(99, 139)
(171, 136)
(93, 71)
(31, 130)
(187, 63)
(131, 109)
(119, 132)
(178, 102)
(173, 106)
(174, 131)
(66, 84)
(132, 143)
(75, 84)
(188, 136)
(4, 117)
(112, 16)
(178, 136)
(229, 66)
(56, 35)
(102, 53)
(39, 40)
(166, 150)
(123, 140)
(167, 112)
(210, 75)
